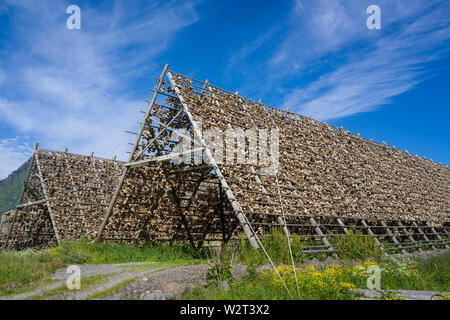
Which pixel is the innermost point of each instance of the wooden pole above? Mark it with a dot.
(21, 195)
(125, 170)
(234, 203)
(44, 190)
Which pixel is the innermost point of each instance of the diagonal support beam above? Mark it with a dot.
(22, 193)
(410, 237)
(44, 190)
(234, 203)
(424, 235)
(125, 171)
(436, 234)
(391, 235)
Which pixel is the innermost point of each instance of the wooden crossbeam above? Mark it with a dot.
(125, 171)
(29, 204)
(44, 190)
(435, 233)
(169, 157)
(410, 237)
(392, 236)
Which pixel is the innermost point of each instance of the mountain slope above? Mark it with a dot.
(11, 187)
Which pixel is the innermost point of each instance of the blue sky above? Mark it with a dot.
(82, 88)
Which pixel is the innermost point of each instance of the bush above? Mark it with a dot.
(276, 244)
(332, 283)
(355, 245)
(221, 266)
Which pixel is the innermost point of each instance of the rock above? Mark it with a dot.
(145, 279)
(11, 285)
(265, 267)
(155, 295)
(173, 288)
(223, 285)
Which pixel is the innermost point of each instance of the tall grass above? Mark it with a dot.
(335, 281)
(355, 245)
(276, 245)
(432, 274)
(19, 270)
(85, 252)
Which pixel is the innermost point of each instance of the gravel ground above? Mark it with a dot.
(168, 284)
(88, 270)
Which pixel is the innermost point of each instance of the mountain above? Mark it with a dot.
(11, 187)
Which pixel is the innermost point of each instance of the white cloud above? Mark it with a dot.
(74, 88)
(13, 151)
(373, 67)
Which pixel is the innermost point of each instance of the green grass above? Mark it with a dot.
(110, 291)
(85, 252)
(335, 281)
(276, 245)
(123, 284)
(24, 270)
(85, 283)
(355, 245)
(331, 284)
(432, 274)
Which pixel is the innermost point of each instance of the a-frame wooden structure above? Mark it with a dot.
(63, 198)
(326, 181)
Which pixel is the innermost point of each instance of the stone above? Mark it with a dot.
(155, 295)
(173, 288)
(223, 285)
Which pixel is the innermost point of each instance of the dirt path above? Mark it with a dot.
(113, 275)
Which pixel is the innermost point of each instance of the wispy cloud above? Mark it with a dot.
(326, 63)
(76, 88)
(379, 64)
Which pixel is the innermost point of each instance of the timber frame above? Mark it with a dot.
(329, 180)
(63, 198)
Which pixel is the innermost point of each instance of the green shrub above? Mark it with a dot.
(276, 244)
(221, 266)
(331, 284)
(355, 245)
(432, 274)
